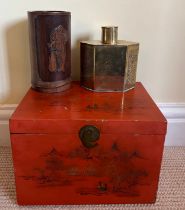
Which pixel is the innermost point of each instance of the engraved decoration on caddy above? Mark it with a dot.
(108, 65)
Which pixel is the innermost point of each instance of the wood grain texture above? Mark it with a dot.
(50, 44)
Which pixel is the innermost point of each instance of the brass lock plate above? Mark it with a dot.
(89, 135)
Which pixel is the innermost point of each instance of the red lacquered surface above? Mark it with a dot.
(132, 112)
(52, 166)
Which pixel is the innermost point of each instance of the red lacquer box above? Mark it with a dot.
(82, 147)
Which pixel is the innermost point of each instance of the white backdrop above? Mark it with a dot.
(159, 26)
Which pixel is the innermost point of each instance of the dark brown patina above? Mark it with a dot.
(50, 45)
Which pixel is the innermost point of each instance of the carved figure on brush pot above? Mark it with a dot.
(50, 49)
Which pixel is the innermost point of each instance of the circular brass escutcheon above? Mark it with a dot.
(89, 135)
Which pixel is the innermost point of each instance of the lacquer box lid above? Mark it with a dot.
(132, 112)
